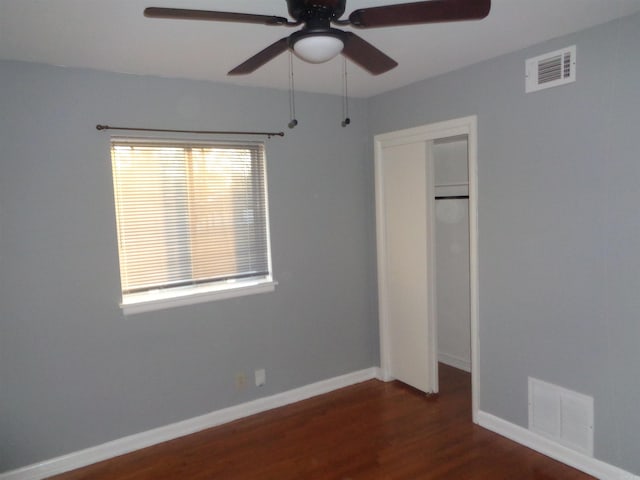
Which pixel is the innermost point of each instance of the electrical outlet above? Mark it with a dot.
(241, 381)
(261, 377)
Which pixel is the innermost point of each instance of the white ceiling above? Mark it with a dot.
(114, 35)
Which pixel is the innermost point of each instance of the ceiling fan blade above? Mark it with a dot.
(366, 55)
(432, 11)
(262, 57)
(184, 14)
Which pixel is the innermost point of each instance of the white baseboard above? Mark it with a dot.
(137, 441)
(590, 465)
(455, 361)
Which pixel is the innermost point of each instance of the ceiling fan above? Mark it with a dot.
(318, 42)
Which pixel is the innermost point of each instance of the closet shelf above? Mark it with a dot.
(462, 184)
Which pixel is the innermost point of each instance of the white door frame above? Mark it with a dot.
(429, 133)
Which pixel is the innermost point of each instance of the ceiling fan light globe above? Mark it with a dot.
(318, 48)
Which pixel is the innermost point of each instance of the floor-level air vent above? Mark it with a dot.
(561, 415)
(551, 69)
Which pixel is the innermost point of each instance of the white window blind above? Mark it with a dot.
(189, 215)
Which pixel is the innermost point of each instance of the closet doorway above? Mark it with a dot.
(414, 235)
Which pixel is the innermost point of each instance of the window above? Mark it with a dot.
(192, 221)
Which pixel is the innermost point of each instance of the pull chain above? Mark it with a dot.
(345, 97)
(292, 95)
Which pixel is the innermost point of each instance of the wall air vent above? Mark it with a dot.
(551, 69)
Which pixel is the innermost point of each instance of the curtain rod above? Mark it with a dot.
(451, 197)
(199, 132)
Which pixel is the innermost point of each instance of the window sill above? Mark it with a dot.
(148, 302)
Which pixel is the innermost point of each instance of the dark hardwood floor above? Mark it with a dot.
(373, 430)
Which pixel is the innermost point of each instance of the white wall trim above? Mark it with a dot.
(140, 440)
(149, 302)
(585, 463)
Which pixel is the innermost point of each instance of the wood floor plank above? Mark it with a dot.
(369, 431)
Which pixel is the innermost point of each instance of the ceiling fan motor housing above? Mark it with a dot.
(305, 10)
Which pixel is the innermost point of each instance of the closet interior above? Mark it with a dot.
(451, 181)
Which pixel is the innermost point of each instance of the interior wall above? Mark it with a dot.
(559, 227)
(451, 178)
(75, 372)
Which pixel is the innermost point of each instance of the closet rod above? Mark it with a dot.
(451, 197)
(199, 132)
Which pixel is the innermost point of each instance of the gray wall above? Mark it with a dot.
(559, 225)
(74, 372)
